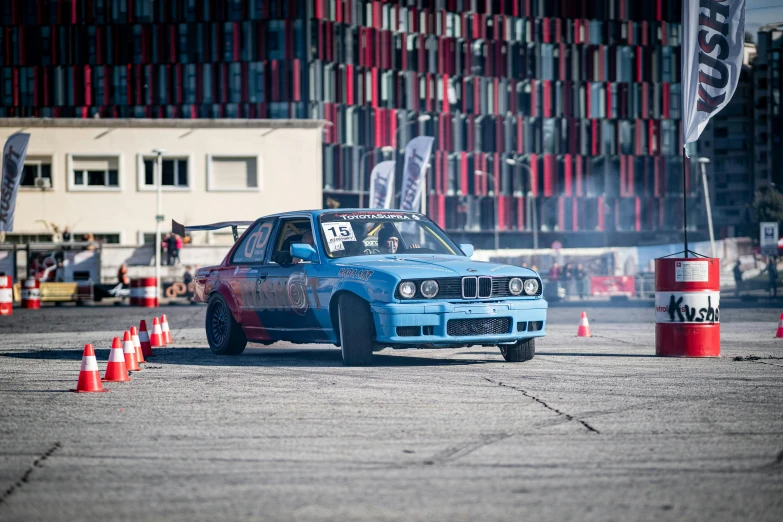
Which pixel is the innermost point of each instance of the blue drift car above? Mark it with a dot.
(364, 280)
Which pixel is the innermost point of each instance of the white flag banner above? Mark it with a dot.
(382, 185)
(712, 52)
(13, 163)
(417, 155)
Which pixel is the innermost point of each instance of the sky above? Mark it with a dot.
(761, 12)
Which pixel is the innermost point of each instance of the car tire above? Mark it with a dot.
(224, 334)
(355, 340)
(523, 350)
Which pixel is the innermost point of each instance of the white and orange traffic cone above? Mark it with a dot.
(780, 327)
(116, 371)
(144, 339)
(156, 338)
(89, 375)
(129, 351)
(137, 344)
(584, 327)
(164, 326)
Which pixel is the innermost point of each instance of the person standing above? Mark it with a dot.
(171, 249)
(179, 245)
(581, 279)
(568, 279)
(122, 276)
(737, 278)
(772, 271)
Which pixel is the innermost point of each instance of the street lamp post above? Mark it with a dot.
(493, 192)
(385, 150)
(531, 208)
(703, 162)
(158, 216)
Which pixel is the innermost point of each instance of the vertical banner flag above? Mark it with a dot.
(712, 53)
(13, 162)
(417, 155)
(382, 185)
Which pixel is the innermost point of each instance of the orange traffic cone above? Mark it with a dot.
(129, 351)
(116, 371)
(144, 339)
(137, 344)
(164, 326)
(156, 339)
(89, 375)
(780, 327)
(584, 327)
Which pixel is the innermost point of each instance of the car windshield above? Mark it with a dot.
(364, 233)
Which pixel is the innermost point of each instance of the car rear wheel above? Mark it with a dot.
(224, 334)
(355, 330)
(523, 350)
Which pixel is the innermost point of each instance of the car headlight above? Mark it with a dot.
(407, 289)
(429, 288)
(531, 286)
(515, 286)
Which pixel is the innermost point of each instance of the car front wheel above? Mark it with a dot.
(355, 330)
(224, 334)
(523, 350)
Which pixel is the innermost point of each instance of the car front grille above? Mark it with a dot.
(449, 288)
(485, 287)
(408, 331)
(474, 327)
(469, 287)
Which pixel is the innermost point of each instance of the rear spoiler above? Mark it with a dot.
(180, 229)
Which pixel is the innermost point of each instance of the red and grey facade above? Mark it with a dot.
(571, 106)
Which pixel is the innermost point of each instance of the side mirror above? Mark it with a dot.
(303, 251)
(467, 248)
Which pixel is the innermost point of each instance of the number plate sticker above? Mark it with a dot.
(336, 232)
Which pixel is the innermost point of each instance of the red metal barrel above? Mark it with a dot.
(31, 293)
(134, 292)
(687, 307)
(6, 295)
(146, 292)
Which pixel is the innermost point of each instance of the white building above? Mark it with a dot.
(101, 174)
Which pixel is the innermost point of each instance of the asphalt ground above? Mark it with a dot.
(591, 429)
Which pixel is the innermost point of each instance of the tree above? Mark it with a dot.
(769, 206)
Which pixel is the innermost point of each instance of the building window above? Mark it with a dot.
(233, 173)
(27, 238)
(98, 237)
(88, 172)
(175, 173)
(35, 169)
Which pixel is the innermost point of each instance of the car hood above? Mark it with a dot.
(420, 266)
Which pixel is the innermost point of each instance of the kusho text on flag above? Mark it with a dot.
(714, 26)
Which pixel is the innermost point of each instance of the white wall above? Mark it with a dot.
(289, 170)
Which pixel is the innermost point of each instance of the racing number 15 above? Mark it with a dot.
(344, 230)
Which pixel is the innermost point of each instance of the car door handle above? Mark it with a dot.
(262, 276)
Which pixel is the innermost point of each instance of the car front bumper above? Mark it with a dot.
(428, 323)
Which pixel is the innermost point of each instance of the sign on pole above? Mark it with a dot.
(769, 239)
